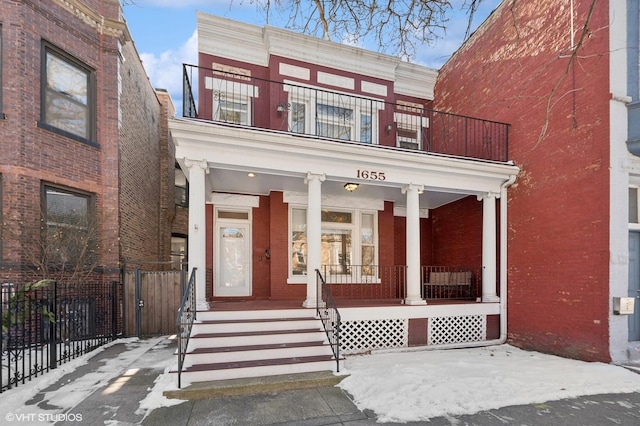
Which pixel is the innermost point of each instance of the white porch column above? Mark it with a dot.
(413, 245)
(314, 235)
(489, 281)
(197, 228)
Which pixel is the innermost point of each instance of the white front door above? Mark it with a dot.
(233, 254)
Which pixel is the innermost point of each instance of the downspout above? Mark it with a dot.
(503, 259)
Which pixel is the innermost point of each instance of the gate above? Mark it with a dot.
(152, 300)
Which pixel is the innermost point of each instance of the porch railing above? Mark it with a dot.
(329, 315)
(376, 282)
(46, 324)
(184, 321)
(237, 99)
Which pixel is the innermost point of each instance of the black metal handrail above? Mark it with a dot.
(244, 100)
(184, 321)
(328, 313)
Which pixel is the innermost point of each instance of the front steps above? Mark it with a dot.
(228, 345)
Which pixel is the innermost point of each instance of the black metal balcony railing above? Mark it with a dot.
(376, 282)
(237, 99)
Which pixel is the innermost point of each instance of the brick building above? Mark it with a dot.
(85, 150)
(309, 160)
(564, 74)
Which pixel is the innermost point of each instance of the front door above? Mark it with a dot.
(233, 254)
(634, 284)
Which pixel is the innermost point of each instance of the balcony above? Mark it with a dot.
(312, 112)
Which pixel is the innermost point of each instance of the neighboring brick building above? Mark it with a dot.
(84, 139)
(561, 72)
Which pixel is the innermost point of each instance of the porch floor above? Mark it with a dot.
(266, 304)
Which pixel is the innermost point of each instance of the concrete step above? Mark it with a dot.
(267, 352)
(256, 314)
(255, 385)
(210, 372)
(239, 326)
(205, 340)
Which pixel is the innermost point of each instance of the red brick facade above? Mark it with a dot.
(127, 168)
(519, 68)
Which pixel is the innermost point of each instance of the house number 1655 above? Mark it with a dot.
(371, 175)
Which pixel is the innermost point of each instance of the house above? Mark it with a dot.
(86, 161)
(310, 161)
(564, 74)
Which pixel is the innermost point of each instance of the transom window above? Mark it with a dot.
(348, 238)
(634, 210)
(67, 94)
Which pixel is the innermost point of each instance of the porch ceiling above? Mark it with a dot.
(263, 183)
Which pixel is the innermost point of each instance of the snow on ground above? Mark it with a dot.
(70, 394)
(418, 385)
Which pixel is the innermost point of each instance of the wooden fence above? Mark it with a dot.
(152, 301)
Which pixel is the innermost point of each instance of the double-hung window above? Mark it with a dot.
(181, 188)
(348, 238)
(68, 94)
(232, 100)
(332, 115)
(70, 228)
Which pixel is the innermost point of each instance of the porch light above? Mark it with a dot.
(281, 107)
(251, 174)
(350, 186)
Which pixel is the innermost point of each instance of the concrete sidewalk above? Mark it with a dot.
(116, 402)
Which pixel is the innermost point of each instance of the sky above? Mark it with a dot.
(164, 32)
(398, 386)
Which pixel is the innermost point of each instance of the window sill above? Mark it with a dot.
(69, 135)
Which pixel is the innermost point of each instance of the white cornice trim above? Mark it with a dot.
(252, 44)
(293, 155)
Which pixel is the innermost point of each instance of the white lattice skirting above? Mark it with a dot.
(457, 329)
(363, 336)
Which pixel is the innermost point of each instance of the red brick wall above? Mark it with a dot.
(457, 233)
(261, 242)
(517, 69)
(33, 156)
(279, 223)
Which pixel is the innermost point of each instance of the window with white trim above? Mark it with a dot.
(348, 238)
(232, 100)
(409, 130)
(332, 115)
(634, 209)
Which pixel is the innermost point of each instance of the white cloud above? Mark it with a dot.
(165, 70)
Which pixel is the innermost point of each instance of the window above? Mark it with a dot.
(70, 230)
(178, 252)
(348, 238)
(67, 94)
(633, 205)
(182, 188)
(409, 133)
(232, 99)
(332, 115)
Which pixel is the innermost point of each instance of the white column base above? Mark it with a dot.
(490, 299)
(415, 302)
(202, 306)
(309, 303)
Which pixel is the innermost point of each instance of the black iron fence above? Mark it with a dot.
(244, 100)
(327, 311)
(46, 324)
